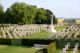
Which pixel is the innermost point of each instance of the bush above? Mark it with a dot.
(5, 41)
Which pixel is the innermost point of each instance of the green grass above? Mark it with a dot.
(39, 35)
(15, 49)
(60, 28)
(71, 52)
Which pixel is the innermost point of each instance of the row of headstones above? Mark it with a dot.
(73, 32)
(16, 31)
(75, 49)
(69, 33)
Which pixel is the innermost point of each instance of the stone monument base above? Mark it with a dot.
(52, 29)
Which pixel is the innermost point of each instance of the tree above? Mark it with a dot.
(1, 13)
(48, 14)
(40, 16)
(7, 16)
(31, 14)
(55, 20)
(21, 13)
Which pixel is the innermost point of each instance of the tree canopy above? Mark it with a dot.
(40, 16)
(1, 13)
(22, 13)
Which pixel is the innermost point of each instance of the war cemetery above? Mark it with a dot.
(27, 29)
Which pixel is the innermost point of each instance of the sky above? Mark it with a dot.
(60, 8)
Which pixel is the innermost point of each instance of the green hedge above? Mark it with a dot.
(5, 41)
(31, 42)
(24, 42)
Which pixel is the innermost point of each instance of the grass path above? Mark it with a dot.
(15, 49)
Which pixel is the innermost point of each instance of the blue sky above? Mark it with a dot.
(61, 8)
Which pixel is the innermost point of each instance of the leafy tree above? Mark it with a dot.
(48, 14)
(21, 13)
(18, 12)
(7, 16)
(1, 13)
(55, 20)
(31, 14)
(40, 16)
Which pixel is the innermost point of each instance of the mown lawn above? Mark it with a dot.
(60, 28)
(71, 52)
(39, 35)
(15, 49)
